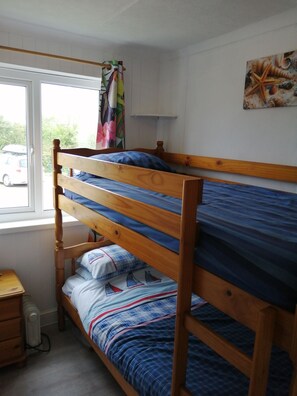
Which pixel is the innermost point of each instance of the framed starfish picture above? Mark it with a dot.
(271, 81)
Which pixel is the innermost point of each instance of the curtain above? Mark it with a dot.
(111, 123)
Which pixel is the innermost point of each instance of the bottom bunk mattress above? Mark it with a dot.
(131, 318)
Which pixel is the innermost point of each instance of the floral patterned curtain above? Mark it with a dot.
(111, 124)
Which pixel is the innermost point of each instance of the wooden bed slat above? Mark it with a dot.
(242, 306)
(162, 182)
(160, 219)
(144, 248)
(77, 250)
(219, 344)
(256, 367)
(247, 168)
(87, 152)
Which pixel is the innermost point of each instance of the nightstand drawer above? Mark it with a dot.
(10, 308)
(11, 350)
(10, 329)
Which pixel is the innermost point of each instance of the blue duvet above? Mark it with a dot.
(144, 357)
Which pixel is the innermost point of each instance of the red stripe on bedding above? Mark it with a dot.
(128, 306)
(147, 323)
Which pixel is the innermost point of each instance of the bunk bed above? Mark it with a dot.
(257, 302)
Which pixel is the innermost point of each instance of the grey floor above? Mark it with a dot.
(70, 368)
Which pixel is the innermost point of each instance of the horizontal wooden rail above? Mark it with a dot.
(151, 252)
(163, 182)
(87, 152)
(219, 344)
(77, 250)
(225, 296)
(155, 217)
(285, 173)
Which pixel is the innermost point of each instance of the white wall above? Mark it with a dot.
(31, 251)
(204, 85)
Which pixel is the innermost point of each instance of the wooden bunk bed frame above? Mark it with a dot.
(271, 324)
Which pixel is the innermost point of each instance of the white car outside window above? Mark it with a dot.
(13, 169)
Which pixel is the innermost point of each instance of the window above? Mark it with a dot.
(36, 108)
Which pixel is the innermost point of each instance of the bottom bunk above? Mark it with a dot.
(129, 315)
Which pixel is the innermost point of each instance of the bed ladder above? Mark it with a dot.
(256, 368)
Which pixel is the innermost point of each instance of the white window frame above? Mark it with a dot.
(32, 79)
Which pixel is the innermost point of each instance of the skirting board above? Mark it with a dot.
(48, 317)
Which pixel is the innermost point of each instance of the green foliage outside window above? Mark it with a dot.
(14, 133)
(51, 130)
(11, 133)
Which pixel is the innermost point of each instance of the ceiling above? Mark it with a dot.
(163, 24)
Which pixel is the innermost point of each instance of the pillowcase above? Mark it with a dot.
(84, 273)
(109, 261)
(135, 158)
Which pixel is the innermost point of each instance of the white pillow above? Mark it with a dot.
(84, 273)
(109, 261)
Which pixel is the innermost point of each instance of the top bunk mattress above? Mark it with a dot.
(248, 234)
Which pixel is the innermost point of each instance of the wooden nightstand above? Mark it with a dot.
(11, 322)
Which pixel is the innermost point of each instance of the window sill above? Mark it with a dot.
(35, 225)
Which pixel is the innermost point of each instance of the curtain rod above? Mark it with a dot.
(103, 65)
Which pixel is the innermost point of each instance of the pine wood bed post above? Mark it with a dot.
(59, 254)
(293, 356)
(192, 195)
(159, 149)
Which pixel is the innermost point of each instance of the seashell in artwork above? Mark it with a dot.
(260, 65)
(286, 85)
(283, 61)
(276, 101)
(293, 60)
(273, 89)
(286, 63)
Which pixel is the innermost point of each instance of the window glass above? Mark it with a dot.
(36, 108)
(14, 177)
(71, 115)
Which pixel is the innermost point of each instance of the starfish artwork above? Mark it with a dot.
(261, 82)
(271, 81)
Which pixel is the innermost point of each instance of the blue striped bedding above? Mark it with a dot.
(131, 318)
(112, 307)
(248, 234)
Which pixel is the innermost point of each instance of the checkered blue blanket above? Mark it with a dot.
(128, 301)
(131, 318)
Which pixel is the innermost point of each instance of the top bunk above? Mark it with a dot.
(117, 206)
(242, 238)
